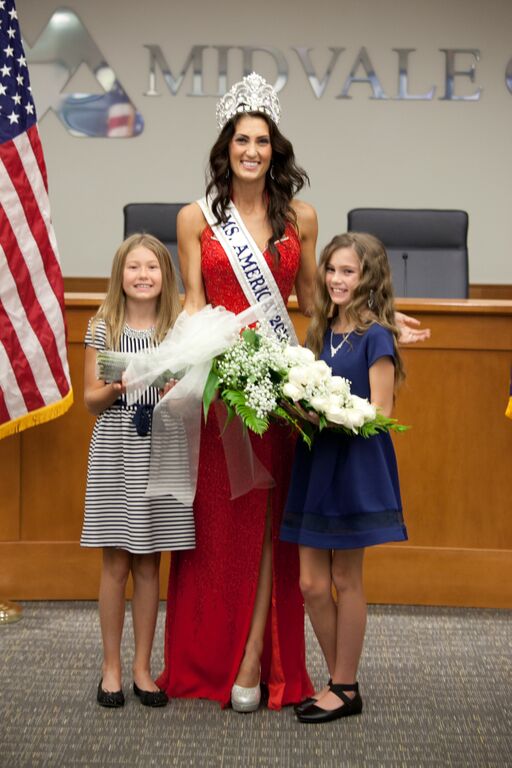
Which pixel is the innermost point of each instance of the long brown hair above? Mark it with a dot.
(282, 182)
(372, 300)
(112, 309)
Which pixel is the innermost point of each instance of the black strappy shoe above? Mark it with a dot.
(305, 703)
(350, 706)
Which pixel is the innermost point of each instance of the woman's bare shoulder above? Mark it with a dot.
(306, 216)
(191, 219)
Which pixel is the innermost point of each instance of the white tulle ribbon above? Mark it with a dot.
(188, 351)
(245, 470)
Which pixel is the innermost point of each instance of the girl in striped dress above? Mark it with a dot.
(141, 305)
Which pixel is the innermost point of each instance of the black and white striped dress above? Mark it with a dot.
(117, 513)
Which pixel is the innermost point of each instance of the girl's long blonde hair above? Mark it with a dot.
(372, 300)
(112, 309)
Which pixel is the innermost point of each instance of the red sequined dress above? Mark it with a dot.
(212, 588)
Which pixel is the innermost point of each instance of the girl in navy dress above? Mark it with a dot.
(141, 305)
(344, 494)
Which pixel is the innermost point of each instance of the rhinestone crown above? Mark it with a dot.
(252, 94)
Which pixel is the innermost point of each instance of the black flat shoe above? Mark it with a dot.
(111, 699)
(150, 698)
(305, 703)
(350, 706)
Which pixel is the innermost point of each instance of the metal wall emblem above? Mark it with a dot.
(361, 72)
(63, 46)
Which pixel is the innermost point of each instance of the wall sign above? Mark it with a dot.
(65, 44)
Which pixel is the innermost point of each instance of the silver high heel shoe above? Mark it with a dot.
(245, 699)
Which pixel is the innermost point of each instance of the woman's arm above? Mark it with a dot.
(382, 384)
(190, 224)
(308, 233)
(408, 328)
(97, 394)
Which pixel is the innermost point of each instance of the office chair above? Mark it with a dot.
(157, 219)
(427, 249)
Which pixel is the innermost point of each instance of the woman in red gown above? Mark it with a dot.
(235, 614)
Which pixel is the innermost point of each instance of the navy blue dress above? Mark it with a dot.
(344, 492)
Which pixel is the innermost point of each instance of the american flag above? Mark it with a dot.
(508, 411)
(34, 376)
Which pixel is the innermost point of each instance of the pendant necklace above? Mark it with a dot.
(334, 349)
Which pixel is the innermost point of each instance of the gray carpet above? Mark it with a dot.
(436, 683)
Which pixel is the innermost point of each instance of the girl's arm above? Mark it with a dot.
(97, 394)
(190, 224)
(308, 233)
(382, 384)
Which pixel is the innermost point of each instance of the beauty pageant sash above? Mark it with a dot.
(252, 271)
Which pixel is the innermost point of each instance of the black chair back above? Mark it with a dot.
(157, 219)
(427, 249)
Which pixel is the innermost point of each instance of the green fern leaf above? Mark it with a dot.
(210, 388)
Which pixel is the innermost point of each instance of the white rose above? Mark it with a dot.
(291, 354)
(354, 418)
(337, 415)
(320, 403)
(305, 355)
(339, 386)
(292, 391)
(319, 372)
(298, 355)
(366, 408)
(346, 417)
(299, 375)
(323, 370)
(335, 401)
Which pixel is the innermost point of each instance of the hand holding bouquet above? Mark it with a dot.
(110, 367)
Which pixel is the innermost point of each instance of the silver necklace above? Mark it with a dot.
(334, 349)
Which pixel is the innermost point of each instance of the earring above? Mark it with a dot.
(271, 173)
(371, 299)
(228, 173)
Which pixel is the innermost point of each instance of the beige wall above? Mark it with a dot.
(357, 152)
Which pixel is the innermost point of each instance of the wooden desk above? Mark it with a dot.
(455, 469)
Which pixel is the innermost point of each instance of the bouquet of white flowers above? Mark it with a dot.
(257, 375)
(261, 378)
